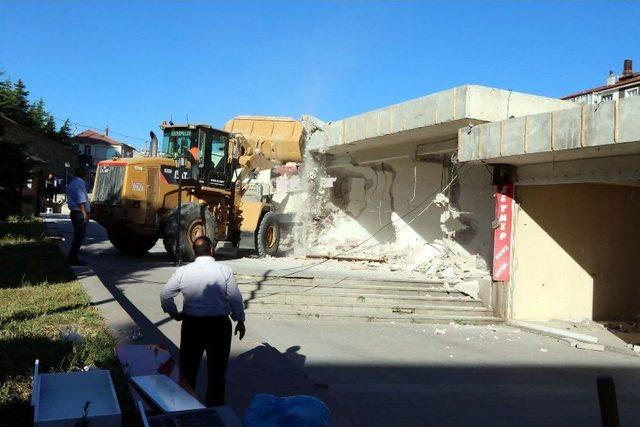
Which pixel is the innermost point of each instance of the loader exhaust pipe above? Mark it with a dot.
(153, 147)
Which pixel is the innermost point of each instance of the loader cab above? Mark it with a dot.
(206, 150)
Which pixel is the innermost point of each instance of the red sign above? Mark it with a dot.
(502, 233)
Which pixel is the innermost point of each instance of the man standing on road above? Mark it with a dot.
(210, 295)
(78, 202)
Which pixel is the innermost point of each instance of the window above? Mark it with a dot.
(631, 92)
(173, 139)
(218, 154)
(607, 97)
(87, 150)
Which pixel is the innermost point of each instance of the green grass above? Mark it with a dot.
(41, 303)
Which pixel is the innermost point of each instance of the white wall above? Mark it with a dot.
(373, 196)
(103, 152)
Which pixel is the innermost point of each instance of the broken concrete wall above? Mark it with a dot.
(396, 210)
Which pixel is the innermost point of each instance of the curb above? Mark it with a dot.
(101, 296)
(580, 341)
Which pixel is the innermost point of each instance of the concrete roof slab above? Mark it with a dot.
(606, 129)
(432, 118)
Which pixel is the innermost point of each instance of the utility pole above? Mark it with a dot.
(181, 161)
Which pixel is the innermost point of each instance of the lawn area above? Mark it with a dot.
(45, 314)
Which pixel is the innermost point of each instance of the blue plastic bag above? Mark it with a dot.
(266, 410)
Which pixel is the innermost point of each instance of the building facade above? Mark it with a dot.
(56, 155)
(94, 147)
(617, 87)
(47, 157)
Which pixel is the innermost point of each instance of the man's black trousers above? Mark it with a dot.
(79, 229)
(213, 335)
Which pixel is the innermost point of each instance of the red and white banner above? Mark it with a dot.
(502, 233)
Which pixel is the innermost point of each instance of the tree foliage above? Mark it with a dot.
(64, 134)
(14, 104)
(16, 172)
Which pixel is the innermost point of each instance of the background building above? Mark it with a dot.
(617, 87)
(94, 147)
(35, 144)
(46, 157)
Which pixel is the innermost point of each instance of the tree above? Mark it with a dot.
(21, 95)
(16, 172)
(14, 104)
(37, 116)
(8, 104)
(50, 127)
(64, 134)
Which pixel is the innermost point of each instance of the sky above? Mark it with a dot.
(132, 64)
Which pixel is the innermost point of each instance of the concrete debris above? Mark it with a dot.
(470, 288)
(440, 331)
(544, 350)
(636, 348)
(559, 333)
(327, 182)
(312, 125)
(441, 200)
(345, 258)
(586, 345)
(450, 223)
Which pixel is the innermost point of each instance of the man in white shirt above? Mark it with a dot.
(79, 208)
(210, 295)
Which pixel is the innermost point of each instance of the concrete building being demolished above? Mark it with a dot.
(535, 200)
(387, 185)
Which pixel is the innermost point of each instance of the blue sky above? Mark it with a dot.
(131, 64)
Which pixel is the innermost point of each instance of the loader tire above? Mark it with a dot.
(131, 243)
(268, 236)
(195, 221)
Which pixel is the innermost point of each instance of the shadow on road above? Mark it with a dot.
(375, 392)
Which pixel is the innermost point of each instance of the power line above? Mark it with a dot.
(99, 129)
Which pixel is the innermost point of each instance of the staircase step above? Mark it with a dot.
(366, 310)
(331, 297)
(424, 319)
(360, 300)
(246, 289)
(352, 280)
(251, 285)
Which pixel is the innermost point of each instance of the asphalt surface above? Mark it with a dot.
(379, 374)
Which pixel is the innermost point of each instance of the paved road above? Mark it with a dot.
(377, 374)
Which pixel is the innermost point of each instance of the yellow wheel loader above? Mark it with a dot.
(201, 181)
